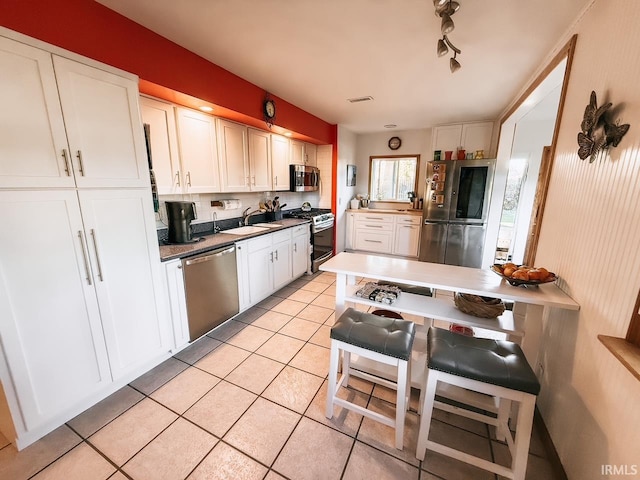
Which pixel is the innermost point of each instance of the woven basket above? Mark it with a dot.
(477, 306)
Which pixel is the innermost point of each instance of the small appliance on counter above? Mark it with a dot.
(180, 215)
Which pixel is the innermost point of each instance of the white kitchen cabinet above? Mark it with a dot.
(260, 268)
(300, 255)
(279, 163)
(66, 123)
(406, 236)
(164, 144)
(233, 153)
(198, 151)
(470, 136)
(303, 153)
(124, 256)
(310, 154)
(374, 233)
(102, 119)
(387, 233)
(177, 302)
(259, 160)
(80, 298)
(32, 137)
(49, 317)
(282, 273)
(296, 152)
(242, 259)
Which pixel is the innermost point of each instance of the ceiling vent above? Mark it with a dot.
(360, 99)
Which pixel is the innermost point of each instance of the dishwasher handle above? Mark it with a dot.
(206, 258)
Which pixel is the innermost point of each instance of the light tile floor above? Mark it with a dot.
(247, 402)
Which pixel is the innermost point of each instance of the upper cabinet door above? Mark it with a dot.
(447, 137)
(259, 160)
(310, 154)
(164, 144)
(280, 162)
(477, 136)
(103, 126)
(234, 158)
(198, 151)
(297, 152)
(33, 143)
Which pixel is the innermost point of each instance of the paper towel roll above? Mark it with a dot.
(231, 204)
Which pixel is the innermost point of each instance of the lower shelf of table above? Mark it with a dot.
(440, 309)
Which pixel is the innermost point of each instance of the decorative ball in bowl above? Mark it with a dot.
(518, 275)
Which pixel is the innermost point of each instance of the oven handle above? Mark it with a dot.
(321, 229)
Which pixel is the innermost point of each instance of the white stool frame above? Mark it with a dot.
(402, 386)
(518, 447)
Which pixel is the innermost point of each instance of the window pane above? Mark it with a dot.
(392, 178)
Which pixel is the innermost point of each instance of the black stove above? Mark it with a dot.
(314, 212)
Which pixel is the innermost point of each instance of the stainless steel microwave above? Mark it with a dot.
(303, 178)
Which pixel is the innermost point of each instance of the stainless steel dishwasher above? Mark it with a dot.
(211, 285)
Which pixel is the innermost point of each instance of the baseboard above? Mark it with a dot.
(549, 447)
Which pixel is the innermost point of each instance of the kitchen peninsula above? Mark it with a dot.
(524, 325)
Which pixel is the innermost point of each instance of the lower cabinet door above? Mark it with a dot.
(50, 327)
(407, 240)
(120, 230)
(282, 264)
(261, 276)
(300, 255)
(373, 241)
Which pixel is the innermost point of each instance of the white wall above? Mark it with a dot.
(346, 156)
(590, 237)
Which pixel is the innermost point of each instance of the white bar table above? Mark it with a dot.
(523, 325)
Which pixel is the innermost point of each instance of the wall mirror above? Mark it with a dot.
(393, 177)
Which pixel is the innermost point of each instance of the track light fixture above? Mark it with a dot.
(445, 9)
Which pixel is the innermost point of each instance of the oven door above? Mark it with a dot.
(322, 242)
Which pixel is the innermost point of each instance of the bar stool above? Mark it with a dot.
(493, 367)
(385, 340)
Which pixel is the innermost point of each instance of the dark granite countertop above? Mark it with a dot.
(217, 240)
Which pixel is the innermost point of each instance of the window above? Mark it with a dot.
(393, 178)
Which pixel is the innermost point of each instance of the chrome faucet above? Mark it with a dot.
(245, 215)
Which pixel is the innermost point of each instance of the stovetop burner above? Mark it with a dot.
(314, 212)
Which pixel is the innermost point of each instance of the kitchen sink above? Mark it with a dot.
(268, 225)
(246, 230)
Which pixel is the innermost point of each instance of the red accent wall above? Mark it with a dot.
(90, 29)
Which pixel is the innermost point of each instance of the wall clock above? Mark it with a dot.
(394, 143)
(269, 110)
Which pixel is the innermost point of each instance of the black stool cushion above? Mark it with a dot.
(496, 362)
(388, 336)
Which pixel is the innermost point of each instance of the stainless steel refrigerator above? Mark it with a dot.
(455, 212)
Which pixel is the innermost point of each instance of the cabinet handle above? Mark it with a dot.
(188, 179)
(295, 247)
(373, 241)
(373, 226)
(66, 162)
(275, 180)
(81, 166)
(95, 247)
(374, 218)
(178, 178)
(254, 180)
(271, 257)
(276, 252)
(84, 256)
